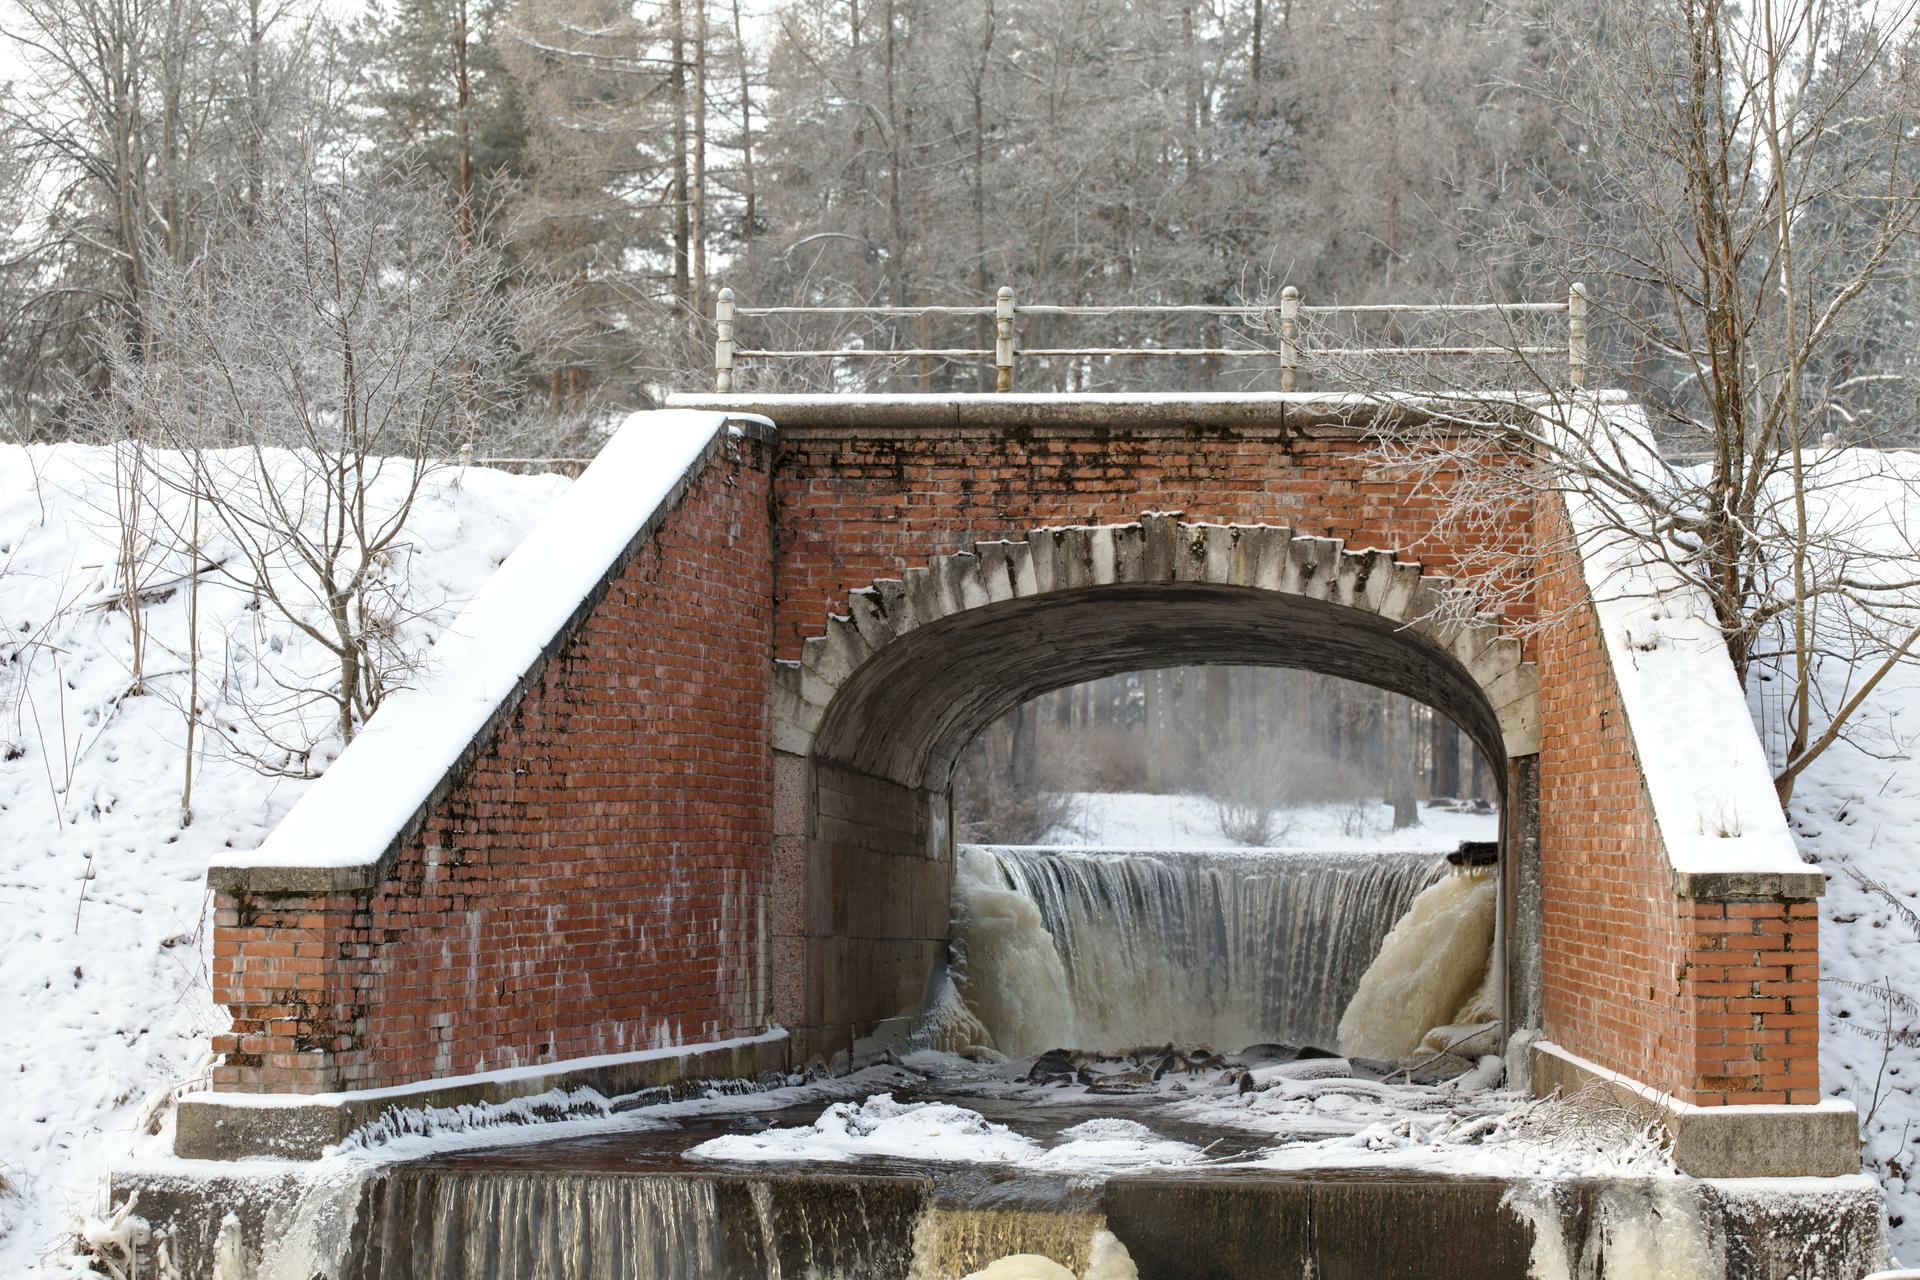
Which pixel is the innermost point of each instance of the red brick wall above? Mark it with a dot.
(595, 883)
(855, 505)
(1713, 1002)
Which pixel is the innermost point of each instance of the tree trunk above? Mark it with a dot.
(463, 160)
(1444, 779)
(699, 203)
(746, 134)
(682, 229)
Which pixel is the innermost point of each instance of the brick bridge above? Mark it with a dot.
(699, 824)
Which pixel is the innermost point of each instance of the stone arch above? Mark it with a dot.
(871, 720)
(966, 604)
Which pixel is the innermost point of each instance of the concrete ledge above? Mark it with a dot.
(1818, 1141)
(1750, 886)
(1300, 413)
(231, 1126)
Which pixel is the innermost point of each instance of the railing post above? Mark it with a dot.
(723, 341)
(1577, 336)
(1003, 340)
(1289, 336)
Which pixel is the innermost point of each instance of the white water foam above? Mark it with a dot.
(1428, 970)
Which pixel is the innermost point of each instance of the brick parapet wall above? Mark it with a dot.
(858, 504)
(1711, 1001)
(597, 880)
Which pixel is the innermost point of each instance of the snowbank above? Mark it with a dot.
(882, 1126)
(1857, 809)
(104, 985)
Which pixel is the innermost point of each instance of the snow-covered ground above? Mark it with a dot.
(1137, 820)
(1856, 810)
(105, 1006)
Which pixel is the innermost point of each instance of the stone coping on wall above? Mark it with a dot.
(1820, 1140)
(1302, 412)
(233, 1126)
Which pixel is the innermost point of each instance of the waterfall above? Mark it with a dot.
(455, 1222)
(1105, 949)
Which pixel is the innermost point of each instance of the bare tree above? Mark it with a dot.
(1752, 237)
(307, 384)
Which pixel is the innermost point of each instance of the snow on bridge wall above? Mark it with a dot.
(623, 856)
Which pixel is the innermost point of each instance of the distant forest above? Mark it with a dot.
(1255, 741)
(617, 163)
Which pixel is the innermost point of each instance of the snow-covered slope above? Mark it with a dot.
(104, 997)
(1857, 811)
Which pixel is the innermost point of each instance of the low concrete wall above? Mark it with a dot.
(1819, 1140)
(234, 1126)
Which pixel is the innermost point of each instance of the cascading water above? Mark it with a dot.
(1108, 950)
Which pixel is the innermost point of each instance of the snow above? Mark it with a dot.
(374, 791)
(1857, 810)
(104, 984)
(1307, 1120)
(1715, 809)
(104, 928)
(1137, 820)
(881, 1126)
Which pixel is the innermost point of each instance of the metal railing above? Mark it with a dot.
(1284, 321)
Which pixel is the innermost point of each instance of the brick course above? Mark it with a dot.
(856, 505)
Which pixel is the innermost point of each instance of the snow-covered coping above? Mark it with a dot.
(1687, 718)
(372, 800)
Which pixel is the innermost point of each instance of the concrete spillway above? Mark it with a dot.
(482, 1218)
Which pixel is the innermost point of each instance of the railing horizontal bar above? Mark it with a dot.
(1434, 308)
(1255, 352)
(1248, 353)
(1322, 352)
(1304, 354)
(863, 311)
(1146, 311)
(865, 353)
(531, 462)
(1492, 308)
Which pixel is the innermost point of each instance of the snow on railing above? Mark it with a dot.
(1284, 321)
